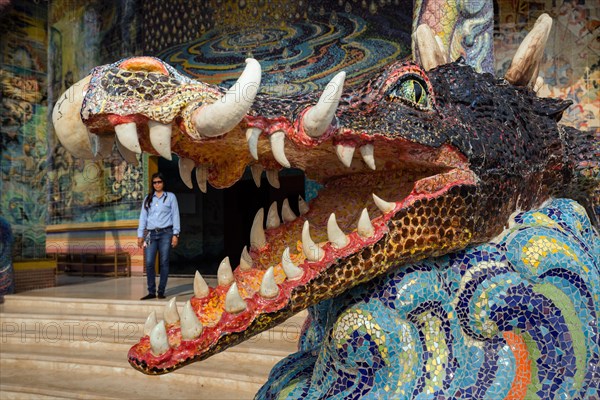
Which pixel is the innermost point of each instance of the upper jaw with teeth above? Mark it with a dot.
(200, 123)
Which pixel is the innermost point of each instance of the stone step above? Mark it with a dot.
(216, 368)
(69, 306)
(55, 379)
(53, 347)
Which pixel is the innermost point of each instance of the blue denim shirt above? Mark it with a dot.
(162, 212)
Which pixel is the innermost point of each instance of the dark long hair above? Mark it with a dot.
(151, 193)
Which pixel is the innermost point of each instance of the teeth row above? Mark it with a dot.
(312, 251)
(186, 166)
(344, 152)
(191, 327)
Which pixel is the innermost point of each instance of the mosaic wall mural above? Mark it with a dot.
(23, 132)
(300, 44)
(84, 34)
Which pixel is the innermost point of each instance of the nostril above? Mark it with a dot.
(149, 64)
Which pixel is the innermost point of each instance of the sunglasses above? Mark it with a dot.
(156, 182)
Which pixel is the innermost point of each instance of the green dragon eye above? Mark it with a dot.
(410, 89)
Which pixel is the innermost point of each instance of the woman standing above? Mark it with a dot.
(158, 230)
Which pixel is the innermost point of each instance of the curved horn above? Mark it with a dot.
(524, 67)
(427, 49)
(66, 117)
(316, 120)
(223, 115)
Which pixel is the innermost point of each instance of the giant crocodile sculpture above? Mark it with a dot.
(445, 156)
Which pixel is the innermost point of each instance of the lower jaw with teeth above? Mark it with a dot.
(293, 264)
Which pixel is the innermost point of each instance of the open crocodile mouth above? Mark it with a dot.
(386, 200)
(361, 195)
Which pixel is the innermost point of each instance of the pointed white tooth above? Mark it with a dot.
(102, 145)
(316, 120)
(257, 171)
(268, 286)
(365, 228)
(252, 135)
(291, 271)
(158, 339)
(345, 153)
(310, 248)
(336, 236)
(127, 154)
(273, 220)
(68, 126)
(150, 323)
(245, 260)
(286, 212)
(200, 286)
(127, 134)
(278, 147)
(202, 177)
(191, 327)
(302, 206)
(224, 273)
(273, 178)
(160, 137)
(171, 315)
(383, 205)
(185, 171)
(233, 301)
(257, 233)
(367, 153)
(223, 115)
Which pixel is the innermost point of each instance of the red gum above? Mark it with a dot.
(266, 124)
(115, 119)
(356, 139)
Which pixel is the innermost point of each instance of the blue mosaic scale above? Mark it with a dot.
(511, 319)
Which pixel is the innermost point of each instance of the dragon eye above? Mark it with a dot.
(411, 89)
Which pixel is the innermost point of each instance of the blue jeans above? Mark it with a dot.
(161, 242)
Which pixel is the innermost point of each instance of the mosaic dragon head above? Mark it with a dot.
(445, 156)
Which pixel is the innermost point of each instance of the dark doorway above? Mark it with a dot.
(217, 224)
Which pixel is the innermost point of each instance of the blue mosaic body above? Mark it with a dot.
(513, 318)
